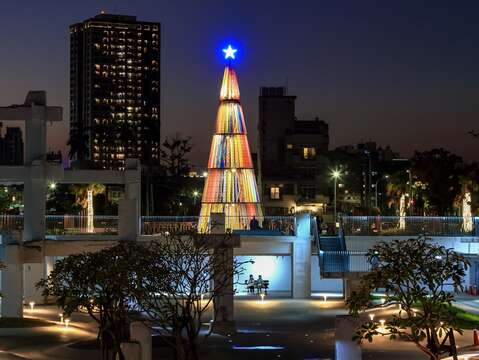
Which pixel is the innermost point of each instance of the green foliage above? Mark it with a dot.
(102, 284)
(61, 201)
(169, 188)
(81, 192)
(465, 320)
(414, 273)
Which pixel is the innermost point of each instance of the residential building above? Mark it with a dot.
(293, 158)
(115, 90)
(11, 146)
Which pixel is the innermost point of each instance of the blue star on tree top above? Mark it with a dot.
(229, 52)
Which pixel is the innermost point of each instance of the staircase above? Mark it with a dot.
(333, 257)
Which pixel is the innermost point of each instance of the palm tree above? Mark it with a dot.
(84, 197)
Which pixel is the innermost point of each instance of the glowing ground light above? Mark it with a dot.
(67, 323)
(32, 305)
(371, 316)
(261, 347)
(229, 52)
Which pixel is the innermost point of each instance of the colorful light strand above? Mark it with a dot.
(230, 186)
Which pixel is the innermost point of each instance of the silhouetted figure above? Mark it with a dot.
(250, 284)
(254, 224)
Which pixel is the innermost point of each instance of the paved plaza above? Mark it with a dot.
(273, 329)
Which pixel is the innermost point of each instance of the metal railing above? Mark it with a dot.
(284, 225)
(11, 223)
(154, 225)
(410, 225)
(343, 261)
(80, 225)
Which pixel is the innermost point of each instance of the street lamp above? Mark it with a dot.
(336, 174)
(376, 188)
(195, 195)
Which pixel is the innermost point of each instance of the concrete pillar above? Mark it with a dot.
(350, 285)
(141, 333)
(223, 303)
(49, 264)
(34, 201)
(131, 350)
(128, 219)
(32, 274)
(218, 223)
(301, 258)
(345, 347)
(133, 188)
(36, 134)
(12, 282)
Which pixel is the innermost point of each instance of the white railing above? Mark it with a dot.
(78, 225)
(410, 225)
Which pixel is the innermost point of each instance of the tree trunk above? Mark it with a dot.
(452, 343)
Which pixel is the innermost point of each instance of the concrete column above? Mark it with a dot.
(128, 219)
(49, 264)
(131, 351)
(133, 188)
(301, 258)
(141, 333)
(34, 201)
(36, 134)
(32, 274)
(350, 285)
(345, 347)
(223, 303)
(12, 282)
(218, 223)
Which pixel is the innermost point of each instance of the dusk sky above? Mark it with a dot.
(403, 73)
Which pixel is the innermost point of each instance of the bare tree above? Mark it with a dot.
(185, 273)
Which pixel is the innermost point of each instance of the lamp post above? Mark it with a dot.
(195, 195)
(376, 188)
(336, 174)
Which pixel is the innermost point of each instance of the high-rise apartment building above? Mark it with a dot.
(11, 146)
(115, 90)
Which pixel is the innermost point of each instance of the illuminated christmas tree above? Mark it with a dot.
(230, 186)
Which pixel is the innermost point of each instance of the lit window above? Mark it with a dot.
(289, 146)
(274, 193)
(309, 153)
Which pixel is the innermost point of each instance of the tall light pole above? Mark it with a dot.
(376, 188)
(336, 174)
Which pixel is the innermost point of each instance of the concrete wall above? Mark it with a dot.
(319, 285)
(276, 269)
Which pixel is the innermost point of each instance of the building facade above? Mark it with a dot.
(11, 146)
(115, 90)
(293, 158)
